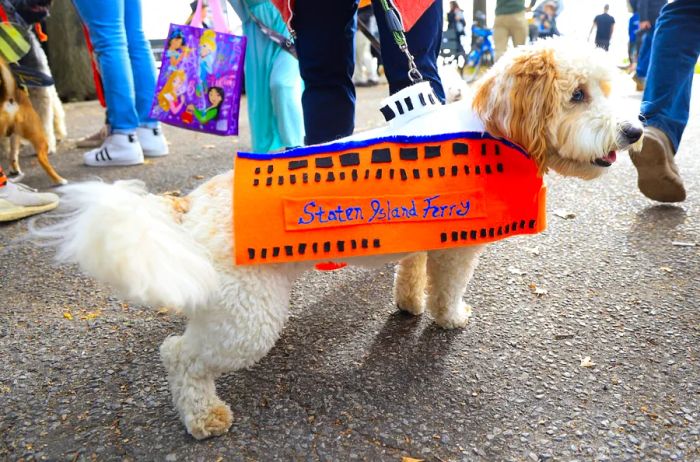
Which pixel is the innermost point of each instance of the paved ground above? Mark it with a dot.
(352, 379)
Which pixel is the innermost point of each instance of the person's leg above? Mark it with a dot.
(675, 49)
(105, 21)
(285, 87)
(500, 36)
(424, 41)
(666, 100)
(143, 68)
(325, 46)
(519, 29)
(644, 55)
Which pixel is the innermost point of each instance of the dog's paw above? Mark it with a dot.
(412, 305)
(456, 318)
(214, 421)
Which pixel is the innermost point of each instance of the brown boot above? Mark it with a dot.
(658, 176)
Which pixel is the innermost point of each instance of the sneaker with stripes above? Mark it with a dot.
(117, 149)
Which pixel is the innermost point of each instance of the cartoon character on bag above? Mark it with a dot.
(207, 54)
(216, 97)
(172, 97)
(176, 51)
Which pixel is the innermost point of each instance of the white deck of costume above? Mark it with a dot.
(427, 116)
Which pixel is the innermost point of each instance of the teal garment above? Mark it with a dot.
(272, 82)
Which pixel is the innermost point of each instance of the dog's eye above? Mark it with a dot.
(578, 96)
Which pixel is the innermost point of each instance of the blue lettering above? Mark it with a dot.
(378, 211)
(465, 206)
(310, 214)
(429, 208)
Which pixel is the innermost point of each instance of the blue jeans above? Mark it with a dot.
(326, 48)
(644, 55)
(125, 60)
(674, 52)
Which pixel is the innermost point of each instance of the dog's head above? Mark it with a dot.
(556, 99)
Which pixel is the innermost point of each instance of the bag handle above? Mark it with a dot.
(220, 24)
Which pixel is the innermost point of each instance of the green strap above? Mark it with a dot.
(396, 26)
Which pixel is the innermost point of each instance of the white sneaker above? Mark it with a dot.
(117, 149)
(19, 201)
(152, 142)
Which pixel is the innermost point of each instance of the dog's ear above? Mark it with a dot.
(519, 99)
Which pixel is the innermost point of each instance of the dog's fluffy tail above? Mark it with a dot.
(130, 240)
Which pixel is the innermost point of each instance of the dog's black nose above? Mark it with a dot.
(631, 132)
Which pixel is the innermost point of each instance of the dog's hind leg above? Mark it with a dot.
(29, 127)
(15, 170)
(449, 272)
(232, 334)
(42, 103)
(59, 115)
(409, 283)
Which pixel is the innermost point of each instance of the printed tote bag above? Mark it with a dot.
(201, 76)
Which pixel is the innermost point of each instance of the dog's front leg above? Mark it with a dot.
(232, 333)
(409, 283)
(449, 272)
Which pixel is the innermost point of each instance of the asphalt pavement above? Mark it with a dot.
(584, 343)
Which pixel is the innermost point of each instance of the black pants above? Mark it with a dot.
(326, 43)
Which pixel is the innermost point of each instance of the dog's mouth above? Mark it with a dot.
(607, 160)
(39, 9)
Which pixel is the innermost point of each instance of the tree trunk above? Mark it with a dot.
(479, 5)
(68, 55)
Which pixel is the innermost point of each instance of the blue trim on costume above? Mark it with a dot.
(398, 139)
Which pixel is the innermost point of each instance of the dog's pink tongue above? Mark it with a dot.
(611, 157)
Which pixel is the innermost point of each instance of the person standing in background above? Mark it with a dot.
(604, 25)
(272, 84)
(129, 74)
(510, 23)
(325, 37)
(649, 11)
(457, 24)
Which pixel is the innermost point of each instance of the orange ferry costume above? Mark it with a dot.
(385, 192)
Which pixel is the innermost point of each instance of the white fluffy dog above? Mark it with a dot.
(555, 99)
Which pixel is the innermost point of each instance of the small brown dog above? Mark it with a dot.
(17, 116)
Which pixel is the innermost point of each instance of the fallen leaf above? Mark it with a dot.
(147, 162)
(90, 315)
(198, 177)
(561, 213)
(163, 310)
(533, 250)
(666, 269)
(683, 244)
(174, 192)
(586, 362)
(410, 459)
(537, 290)
(68, 315)
(514, 270)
